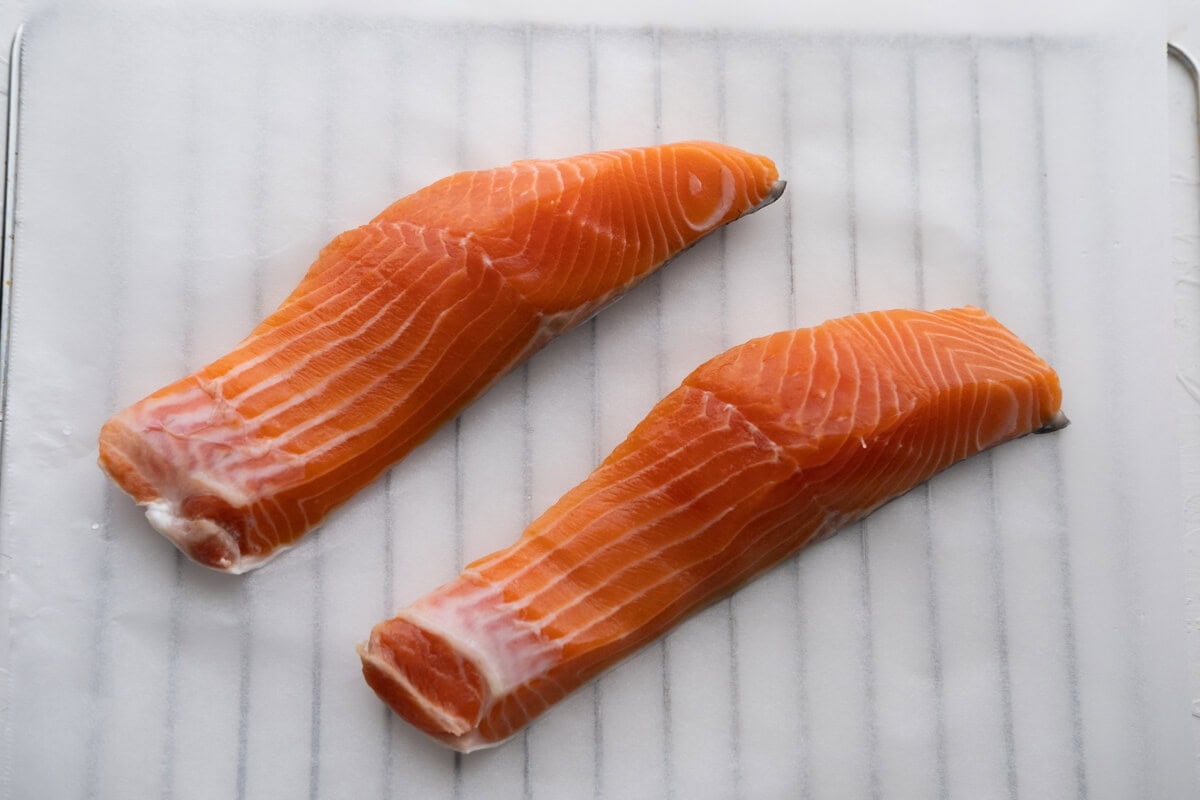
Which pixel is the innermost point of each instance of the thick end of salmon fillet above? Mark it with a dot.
(458, 664)
(193, 516)
(427, 681)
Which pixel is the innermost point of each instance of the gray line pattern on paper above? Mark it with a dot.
(191, 240)
(933, 599)
(1062, 516)
(996, 556)
(330, 93)
(101, 673)
(257, 217)
(594, 399)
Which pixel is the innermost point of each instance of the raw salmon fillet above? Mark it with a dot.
(398, 325)
(766, 448)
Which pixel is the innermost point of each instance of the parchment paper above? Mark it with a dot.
(1010, 630)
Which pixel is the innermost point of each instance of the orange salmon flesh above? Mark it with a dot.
(398, 325)
(770, 446)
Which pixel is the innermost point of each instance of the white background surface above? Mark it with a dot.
(1183, 171)
(1185, 262)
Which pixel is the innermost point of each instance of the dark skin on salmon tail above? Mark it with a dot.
(1057, 423)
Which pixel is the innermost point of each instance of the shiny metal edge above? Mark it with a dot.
(1185, 60)
(1183, 57)
(8, 242)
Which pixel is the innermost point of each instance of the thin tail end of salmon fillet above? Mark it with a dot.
(774, 193)
(1056, 423)
(203, 525)
(425, 679)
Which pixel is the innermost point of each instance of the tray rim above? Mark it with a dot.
(8, 238)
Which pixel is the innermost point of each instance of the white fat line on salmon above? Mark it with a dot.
(203, 450)
(407, 236)
(313, 454)
(293, 433)
(633, 533)
(201, 405)
(773, 449)
(489, 561)
(350, 284)
(316, 390)
(314, 333)
(662, 580)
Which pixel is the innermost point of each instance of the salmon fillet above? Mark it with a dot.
(766, 448)
(398, 325)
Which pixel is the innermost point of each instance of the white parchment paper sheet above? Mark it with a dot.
(1009, 630)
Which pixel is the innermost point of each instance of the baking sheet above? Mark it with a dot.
(1010, 629)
